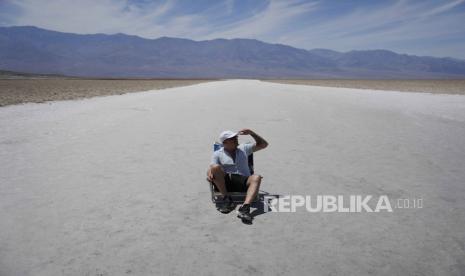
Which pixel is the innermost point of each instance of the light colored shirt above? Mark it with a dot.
(240, 166)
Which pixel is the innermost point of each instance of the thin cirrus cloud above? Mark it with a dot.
(414, 27)
(417, 27)
(264, 24)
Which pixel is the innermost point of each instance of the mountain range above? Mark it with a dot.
(39, 51)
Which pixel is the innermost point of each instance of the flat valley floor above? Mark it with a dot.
(115, 185)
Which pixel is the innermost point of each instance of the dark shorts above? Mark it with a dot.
(235, 182)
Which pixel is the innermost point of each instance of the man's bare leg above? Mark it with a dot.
(253, 186)
(218, 179)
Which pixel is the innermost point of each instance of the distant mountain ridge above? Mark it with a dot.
(19, 75)
(35, 50)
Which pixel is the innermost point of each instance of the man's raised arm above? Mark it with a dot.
(260, 143)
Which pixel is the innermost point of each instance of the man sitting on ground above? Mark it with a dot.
(229, 170)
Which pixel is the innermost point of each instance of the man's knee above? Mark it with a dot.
(255, 179)
(216, 168)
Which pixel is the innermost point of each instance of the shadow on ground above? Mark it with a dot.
(259, 207)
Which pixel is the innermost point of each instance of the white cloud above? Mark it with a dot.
(229, 6)
(265, 22)
(106, 16)
(155, 20)
(443, 8)
(392, 27)
(400, 26)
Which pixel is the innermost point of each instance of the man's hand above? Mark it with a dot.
(210, 176)
(246, 131)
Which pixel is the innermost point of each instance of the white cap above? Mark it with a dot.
(227, 134)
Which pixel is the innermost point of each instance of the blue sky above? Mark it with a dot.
(429, 27)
